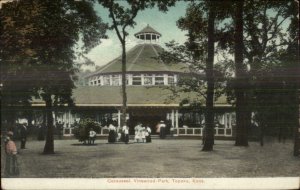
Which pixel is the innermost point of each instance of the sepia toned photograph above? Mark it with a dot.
(150, 94)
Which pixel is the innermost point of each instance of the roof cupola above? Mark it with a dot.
(148, 35)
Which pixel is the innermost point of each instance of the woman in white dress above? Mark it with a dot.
(143, 134)
(137, 133)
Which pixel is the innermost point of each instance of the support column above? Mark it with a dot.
(229, 123)
(142, 79)
(172, 118)
(54, 117)
(165, 79)
(69, 118)
(64, 118)
(119, 118)
(176, 119)
(226, 120)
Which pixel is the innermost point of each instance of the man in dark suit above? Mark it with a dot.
(23, 135)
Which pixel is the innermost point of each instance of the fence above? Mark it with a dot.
(225, 132)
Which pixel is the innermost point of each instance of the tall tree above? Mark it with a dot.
(46, 34)
(123, 15)
(263, 38)
(240, 74)
(209, 114)
(267, 39)
(198, 52)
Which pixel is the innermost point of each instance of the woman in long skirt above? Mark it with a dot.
(162, 127)
(11, 166)
(111, 134)
(148, 134)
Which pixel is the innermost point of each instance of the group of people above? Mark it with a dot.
(117, 134)
(142, 134)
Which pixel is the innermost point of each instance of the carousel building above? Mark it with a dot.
(149, 96)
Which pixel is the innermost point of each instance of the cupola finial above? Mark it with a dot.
(148, 35)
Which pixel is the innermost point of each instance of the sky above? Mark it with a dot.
(164, 23)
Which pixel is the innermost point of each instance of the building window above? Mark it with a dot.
(136, 80)
(148, 36)
(99, 82)
(95, 82)
(91, 83)
(142, 37)
(153, 37)
(171, 80)
(148, 79)
(115, 80)
(106, 80)
(159, 79)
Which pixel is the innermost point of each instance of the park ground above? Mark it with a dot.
(161, 158)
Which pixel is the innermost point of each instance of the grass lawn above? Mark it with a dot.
(161, 158)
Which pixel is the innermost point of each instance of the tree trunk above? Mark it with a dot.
(240, 93)
(49, 146)
(124, 94)
(209, 114)
(297, 127)
(261, 135)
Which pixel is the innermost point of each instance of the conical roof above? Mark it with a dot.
(142, 58)
(147, 29)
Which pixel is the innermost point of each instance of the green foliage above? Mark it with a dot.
(194, 52)
(39, 43)
(37, 46)
(81, 130)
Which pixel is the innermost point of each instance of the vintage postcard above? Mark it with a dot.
(142, 94)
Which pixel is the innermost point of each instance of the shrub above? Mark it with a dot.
(81, 130)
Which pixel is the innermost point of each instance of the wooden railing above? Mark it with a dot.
(222, 132)
(226, 132)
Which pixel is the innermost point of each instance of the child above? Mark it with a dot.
(92, 136)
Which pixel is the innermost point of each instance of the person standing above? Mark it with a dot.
(41, 132)
(172, 131)
(143, 134)
(123, 133)
(148, 134)
(138, 133)
(11, 166)
(23, 135)
(60, 129)
(162, 127)
(126, 134)
(92, 136)
(111, 134)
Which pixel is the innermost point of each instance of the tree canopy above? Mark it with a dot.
(40, 41)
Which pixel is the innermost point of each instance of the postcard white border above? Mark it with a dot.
(150, 183)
